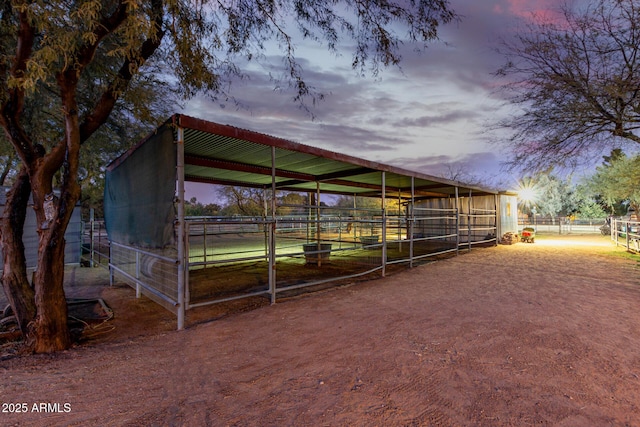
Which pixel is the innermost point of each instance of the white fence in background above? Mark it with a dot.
(563, 225)
(625, 233)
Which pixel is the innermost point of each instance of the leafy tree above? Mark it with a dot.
(244, 201)
(194, 208)
(550, 201)
(550, 195)
(294, 204)
(252, 202)
(576, 83)
(588, 205)
(91, 54)
(360, 202)
(146, 102)
(66, 66)
(616, 182)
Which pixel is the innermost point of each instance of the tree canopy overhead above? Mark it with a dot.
(66, 65)
(575, 82)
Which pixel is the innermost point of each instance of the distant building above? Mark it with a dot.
(73, 236)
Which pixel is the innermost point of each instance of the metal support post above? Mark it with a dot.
(272, 230)
(181, 244)
(138, 290)
(384, 225)
(411, 218)
(469, 220)
(318, 225)
(457, 221)
(91, 235)
(399, 225)
(356, 224)
(204, 242)
(265, 227)
(496, 216)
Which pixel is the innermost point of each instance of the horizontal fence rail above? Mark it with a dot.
(626, 233)
(563, 225)
(150, 273)
(229, 258)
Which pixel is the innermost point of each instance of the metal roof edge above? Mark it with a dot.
(265, 139)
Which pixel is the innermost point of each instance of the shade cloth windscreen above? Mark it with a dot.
(139, 194)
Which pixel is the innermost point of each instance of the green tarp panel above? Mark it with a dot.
(139, 194)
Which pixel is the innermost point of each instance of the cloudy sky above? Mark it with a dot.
(433, 115)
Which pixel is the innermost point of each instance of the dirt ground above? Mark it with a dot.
(529, 334)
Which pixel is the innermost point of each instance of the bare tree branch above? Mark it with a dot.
(576, 84)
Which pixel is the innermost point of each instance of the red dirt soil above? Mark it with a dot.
(528, 334)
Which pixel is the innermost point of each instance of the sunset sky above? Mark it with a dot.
(433, 116)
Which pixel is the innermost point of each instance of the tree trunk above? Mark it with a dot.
(41, 310)
(50, 329)
(14, 277)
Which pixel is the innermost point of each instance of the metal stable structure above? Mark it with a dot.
(170, 258)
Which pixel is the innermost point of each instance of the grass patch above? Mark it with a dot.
(625, 255)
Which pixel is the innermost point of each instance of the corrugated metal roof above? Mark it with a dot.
(223, 154)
